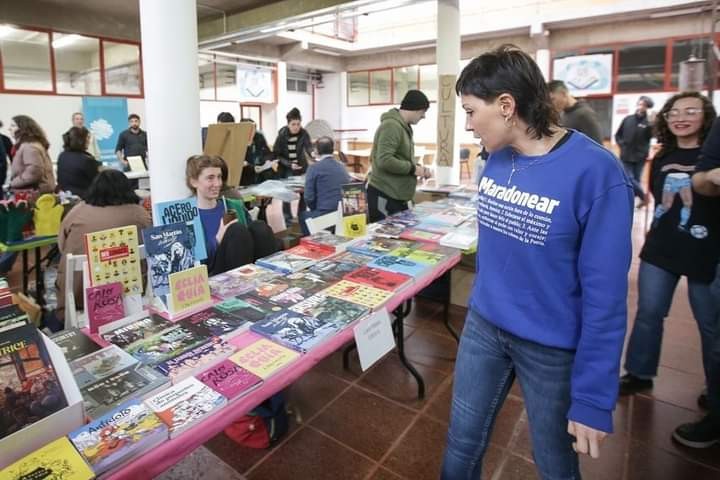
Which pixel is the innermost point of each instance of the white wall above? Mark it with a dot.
(328, 99)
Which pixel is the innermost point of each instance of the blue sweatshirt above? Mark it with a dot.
(323, 184)
(553, 255)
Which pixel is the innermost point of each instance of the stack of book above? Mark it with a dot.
(327, 240)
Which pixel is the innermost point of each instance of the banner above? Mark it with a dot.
(585, 74)
(106, 117)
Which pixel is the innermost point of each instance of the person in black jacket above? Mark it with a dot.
(633, 137)
(574, 113)
(76, 168)
(258, 152)
(293, 146)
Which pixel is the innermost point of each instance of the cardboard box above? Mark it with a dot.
(230, 141)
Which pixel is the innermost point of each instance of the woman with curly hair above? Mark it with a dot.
(684, 240)
(31, 167)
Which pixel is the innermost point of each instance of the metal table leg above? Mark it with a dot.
(400, 314)
(39, 279)
(25, 272)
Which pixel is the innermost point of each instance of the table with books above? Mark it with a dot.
(24, 246)
(155, 389)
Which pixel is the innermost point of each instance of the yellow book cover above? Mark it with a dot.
(355, 226)
(57, 460)
(114, 256)
(263, 358)
(359, 294)
(189, 289)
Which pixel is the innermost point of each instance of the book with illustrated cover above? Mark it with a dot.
(98, 365)
(189, 290)
(310, 282)
(262, 304)
(415, 234)
(365, 295)
(272, 287)
(360, 259)
(124, 433)
(185, 404)
(446, 252)
(294, 330)
(377, 247)
(243, 310)
(74, 343)
(406, 218)
(133, 382)
(58, 460)
(165, 345)
(12, 316)
(137, 330)
(312, 252)
(440, 228)
(461, 238)
(290, 296)
(195, 360)
(382, 279)
(326, 239)
(330, 309)
(214, 322)
(104, 304)
(114, 256)
(333, 270)
(388, 229)
(419, 256)
(29, 386)
(285, 262)
(401, 265)
(264, 357)
(354, 199)
(229, 379)
(239, 280)
(450, 217)
(168, 249)
(184, 211)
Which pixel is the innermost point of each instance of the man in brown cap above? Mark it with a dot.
(394, 173)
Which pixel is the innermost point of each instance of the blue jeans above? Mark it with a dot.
(634, 172)
(713, 380)
(655, 292)
(487, 362)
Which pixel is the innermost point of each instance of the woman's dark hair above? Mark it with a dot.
(508, 69)
(225, 117)
(76, 139)
(293, 114)
(111, 187)
(29, 131)
(666, 138)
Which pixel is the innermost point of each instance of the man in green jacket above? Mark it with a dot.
(394, 172)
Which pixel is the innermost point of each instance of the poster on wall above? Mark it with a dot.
(106, 117)
(585, 74)
(255, 85)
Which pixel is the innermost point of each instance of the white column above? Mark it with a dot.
(280, 102)
(172, 93)
(448, 61)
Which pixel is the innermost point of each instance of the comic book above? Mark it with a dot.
(382, 279)
(330, 309)
(310, 282)
(401, 265)
(214, 322)
(264, 357)
(168, 249)
(243, 310)
(367, 296)
(333, 270)
(415, 234)
(376, 247)
(417, 255)
(326, 239)
(313, 252)
(135, 331)
(74, 343)
(98, 365)
(195, 360)
(185, 211)
(113, 256)
(229, 379)
(295, 330)
(165, 345)
(58, 460)
(285, 262)
(134, 382)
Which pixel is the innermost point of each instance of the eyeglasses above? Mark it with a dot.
(676, 113)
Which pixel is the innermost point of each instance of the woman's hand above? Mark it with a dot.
(221, 231)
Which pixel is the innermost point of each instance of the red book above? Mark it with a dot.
(378, 278)
(313, 252)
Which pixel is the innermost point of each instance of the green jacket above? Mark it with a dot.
(393, 157)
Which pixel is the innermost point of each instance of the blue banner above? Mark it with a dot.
(106, 117)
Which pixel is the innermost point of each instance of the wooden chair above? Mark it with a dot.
(465, 162)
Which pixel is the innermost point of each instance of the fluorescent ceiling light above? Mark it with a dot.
(674, 13)
(327, 52)
(418, 47)
(66, 40)
(6, 30)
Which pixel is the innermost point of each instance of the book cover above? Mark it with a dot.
(312, 252)
(272, 287)
(165, 345)
(189, 289)
(354, 257)
(29, 385)
(388, 229)
(360, 294)
(12, 316)
(354, 199)
(113, 256)
(415, 234)
(214, 322)
(98, 365)
(124, 433)
(74, 343)
(104, 304)
(326, 239)
(285, 262)
(168, 249)
(242, 309)
(138, 330)
(58, 460)
(450, 217)
(382, 279)
(309, 282)
(400, 265)
(461, 238)
(133, 382)
(440, 228)
(330, 309)
(424, 257)
(229, 379)
(446, 252)
(294, 330)
(264, 357)
(262, 304)
(334, 270)
(355, 226)
(184, 211)
(195, 360)
(376, 247)
(239, 280)
(183, 405)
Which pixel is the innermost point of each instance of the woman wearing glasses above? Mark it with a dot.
(684, 240)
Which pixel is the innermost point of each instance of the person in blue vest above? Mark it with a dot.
(548, 305)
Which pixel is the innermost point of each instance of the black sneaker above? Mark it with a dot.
(702, 400)
(702, 434)
(630, 384)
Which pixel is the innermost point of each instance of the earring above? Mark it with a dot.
(508, 122)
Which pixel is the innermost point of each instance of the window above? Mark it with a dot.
(122, 68)
(642, 67)
(77, 64)
(381, 87)
(603, 108)
(358, 88)
(297, 85)
(429, 81)
(206, 72)
(404, 79)
(682, 50)
(25, 59)
(227, 88)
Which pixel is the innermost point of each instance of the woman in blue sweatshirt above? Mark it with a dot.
(548, 305)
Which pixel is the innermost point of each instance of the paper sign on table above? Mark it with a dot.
(104, 304)
(374, 338)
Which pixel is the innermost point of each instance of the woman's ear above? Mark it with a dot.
(506, 103)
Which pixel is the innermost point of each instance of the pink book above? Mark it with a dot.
(229, 379)
(104, 304)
